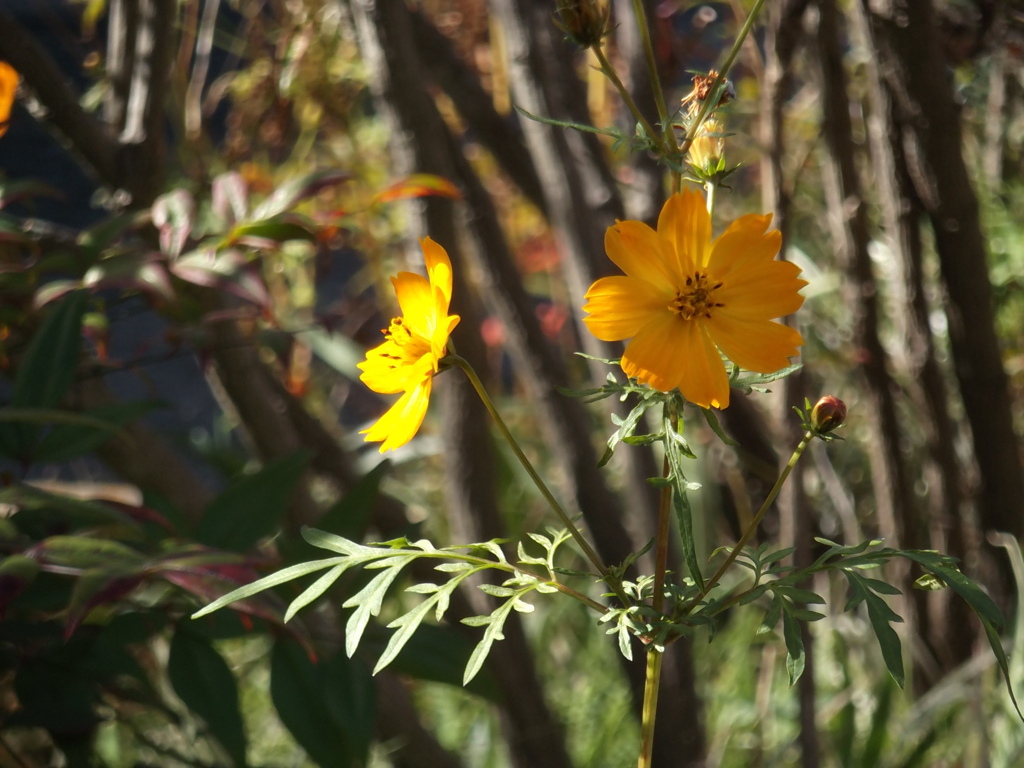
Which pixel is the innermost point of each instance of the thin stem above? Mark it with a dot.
(609, 72)
(652, 64)
(563, 516)
(664, 520)
(652, 684)
(723, 70)
(752, 528)
(710, 187)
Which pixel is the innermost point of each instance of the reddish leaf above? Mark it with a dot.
(230, 197)
(174, 216)
(95, 587)
(418, 185)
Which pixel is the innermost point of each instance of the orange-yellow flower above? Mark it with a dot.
(8, 87)
(684, 297)
(413, 345)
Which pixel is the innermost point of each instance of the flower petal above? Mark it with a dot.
(416, 300)
(637, 250)
(705, 383)
(743, 244)
(620, 306)
(402, 421)
(653, 356)
(439, 268)
(757, 345)
(766, 290)
(678, 353)
(385, 371)
(685, 225)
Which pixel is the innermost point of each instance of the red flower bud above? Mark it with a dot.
(828, 414)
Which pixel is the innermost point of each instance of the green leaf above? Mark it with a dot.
(626, 427)
(281, 577)
(75, 434)
(881, 616)
(40, 512)
(329, 707)
(203, 680)
(615, 133)
(795, 658)
(716, 427)
(314, 591)
(252, 508)
(47, 368)
(681, 505)
(86, 552)
(771, 616)
(997, 648)
(368, 601)
(350, 516)
(492, 633)
(975, 597)
(438, 653)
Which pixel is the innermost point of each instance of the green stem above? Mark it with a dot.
(652, 683)
(609, 72)
(664, 521)
(563, 516)
(723, 70)
(710, 187)
(752, 528)
(652, 64)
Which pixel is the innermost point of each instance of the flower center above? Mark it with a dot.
(409, 347)
(696, 298)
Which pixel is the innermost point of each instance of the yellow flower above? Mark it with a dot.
(684, 297)
(414, 343)
(8, 87)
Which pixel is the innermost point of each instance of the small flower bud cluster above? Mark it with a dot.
(707, 150)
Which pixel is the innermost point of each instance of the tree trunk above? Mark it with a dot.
(922, 119)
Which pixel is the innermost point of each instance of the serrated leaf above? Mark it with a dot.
(522, 606)
(627, 427)
(281, 577)
(314, 591)
(367, 603)
(625, 641)
(406, 626)
(422, 589)
(496, 591)
(452, 567)
(684, 515)
(492, 634)
(880, 616)
(544, 541)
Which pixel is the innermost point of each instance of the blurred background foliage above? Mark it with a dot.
(200, 205)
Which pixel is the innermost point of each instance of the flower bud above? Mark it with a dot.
(829, 413)
(584, 21)
(708, 147)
